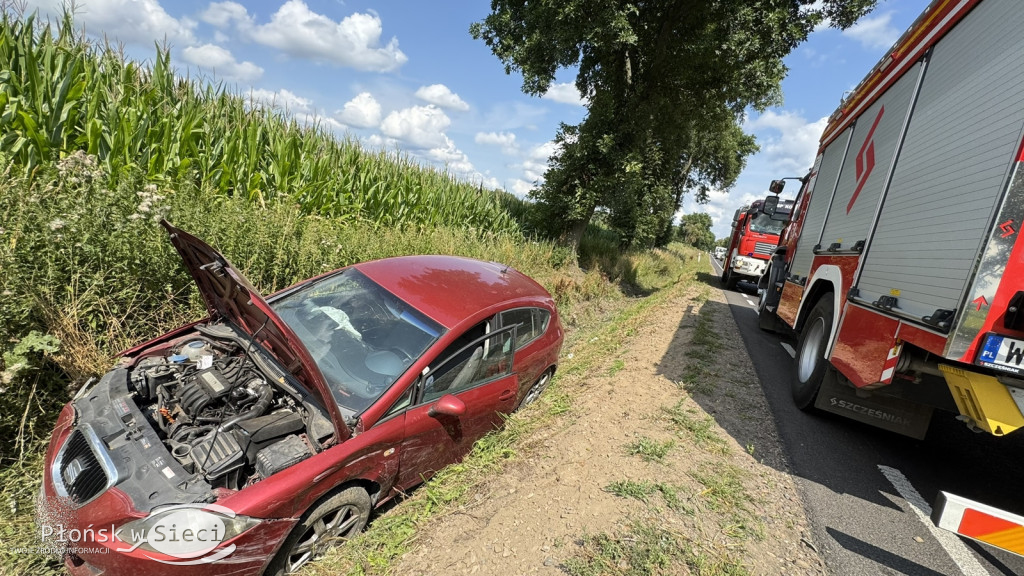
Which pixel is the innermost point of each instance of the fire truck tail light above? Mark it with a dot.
(984, 400)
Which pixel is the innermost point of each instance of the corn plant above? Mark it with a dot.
(59, 94)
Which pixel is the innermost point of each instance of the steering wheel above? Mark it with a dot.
(405, 356)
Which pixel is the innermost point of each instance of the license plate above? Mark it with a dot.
(1002, 353)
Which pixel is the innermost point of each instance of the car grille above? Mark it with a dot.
(764, 248)
(79, 473)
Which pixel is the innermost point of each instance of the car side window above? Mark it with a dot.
(531, 323)
(480, 361)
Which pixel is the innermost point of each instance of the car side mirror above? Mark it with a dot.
(447, 405)
(770, 204)
(776, 186)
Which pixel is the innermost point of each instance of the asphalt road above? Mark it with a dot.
(868, 492)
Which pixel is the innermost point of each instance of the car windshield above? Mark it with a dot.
(361, 336)
(764, 224)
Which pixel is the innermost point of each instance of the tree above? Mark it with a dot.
(695, 230)
(666, 84)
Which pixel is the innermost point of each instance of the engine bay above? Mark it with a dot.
(221, 412)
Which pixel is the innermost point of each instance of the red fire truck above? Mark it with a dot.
(902, 269)
(754, 237)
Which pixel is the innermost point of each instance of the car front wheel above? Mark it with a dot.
(341, 516)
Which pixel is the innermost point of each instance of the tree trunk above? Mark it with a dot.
(679, 198)
(573, 236)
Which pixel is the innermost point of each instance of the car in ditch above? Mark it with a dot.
(246, 441)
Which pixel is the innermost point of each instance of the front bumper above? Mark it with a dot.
(748, 267)
(85, 533)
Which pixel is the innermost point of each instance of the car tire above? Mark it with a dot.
(812, 368)
(537, 389)
(340, 516)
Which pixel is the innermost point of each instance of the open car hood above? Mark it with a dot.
(230, 296)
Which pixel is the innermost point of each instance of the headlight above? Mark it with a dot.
(184, 530)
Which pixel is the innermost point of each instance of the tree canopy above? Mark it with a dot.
(695, 230)
(666, 83)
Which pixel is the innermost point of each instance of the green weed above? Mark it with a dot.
(700, 429)
(650, 450)
(724, 493)
(646, 548)
(616, 367)
(631, 489)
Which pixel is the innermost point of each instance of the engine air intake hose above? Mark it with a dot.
(266, 396)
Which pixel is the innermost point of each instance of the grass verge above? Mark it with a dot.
(646, 548)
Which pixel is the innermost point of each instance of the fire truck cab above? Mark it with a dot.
(755, 234)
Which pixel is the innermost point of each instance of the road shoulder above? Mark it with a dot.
(667, 461)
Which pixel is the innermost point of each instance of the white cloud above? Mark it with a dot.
(544, 151)
(222, 63)
(787, 139)
(419, 127)
(223, 14)
(874, 32)
(313, 119)
(353, 42)
(495, 138)
(536, 162)
(440, 95)
(363, 111)
(130, 21)
(521, 187)
(452, 158)
(565, 93)
(283, 100)
(506, 140)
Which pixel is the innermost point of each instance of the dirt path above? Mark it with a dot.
(668, 462)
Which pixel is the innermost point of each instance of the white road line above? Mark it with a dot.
(715, 266)
(789, 349)
(956, 549)
(749, 301)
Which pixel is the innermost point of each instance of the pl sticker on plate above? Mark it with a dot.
(1002, 353)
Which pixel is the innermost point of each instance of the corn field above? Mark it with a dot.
(60, 94)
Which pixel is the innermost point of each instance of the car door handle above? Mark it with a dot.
(506, 395)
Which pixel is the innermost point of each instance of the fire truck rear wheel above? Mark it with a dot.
(766, 319)
(811, 365)
(729, 279)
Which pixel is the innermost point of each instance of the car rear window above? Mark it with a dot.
(532, 322)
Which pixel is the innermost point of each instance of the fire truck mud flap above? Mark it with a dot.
(893, 414)
(990, 405)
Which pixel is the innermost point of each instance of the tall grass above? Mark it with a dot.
(60, 94)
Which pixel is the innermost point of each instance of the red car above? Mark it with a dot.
(243, 442)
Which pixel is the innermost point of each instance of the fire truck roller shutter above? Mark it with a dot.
(953, 166)
(821, 197)
(868, 159)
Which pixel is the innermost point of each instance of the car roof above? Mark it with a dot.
(450, 289)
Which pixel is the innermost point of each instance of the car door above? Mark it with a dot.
(531, 323)
(479, 375)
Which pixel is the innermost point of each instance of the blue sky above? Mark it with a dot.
(406, 75)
